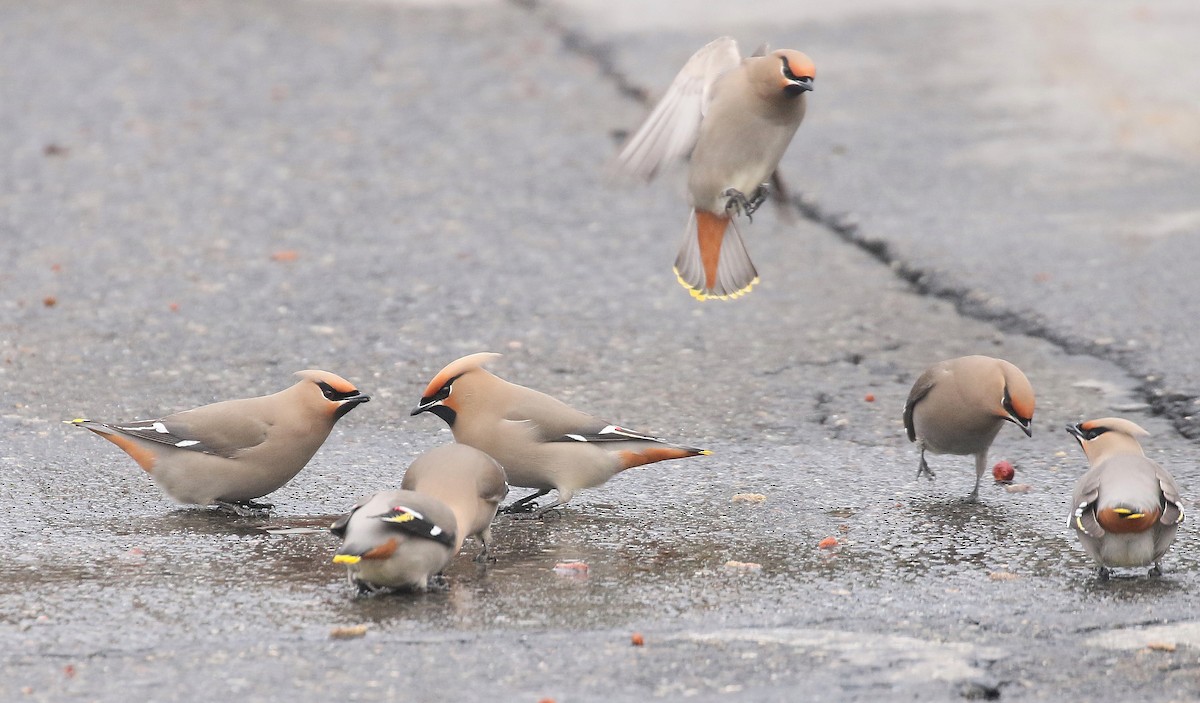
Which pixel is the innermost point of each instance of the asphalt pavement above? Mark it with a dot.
(202, 198)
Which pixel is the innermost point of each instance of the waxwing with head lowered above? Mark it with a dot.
(395, 540)
(958, 407)
(541, 442)
(1126, 508)
(229, 453)
(732, 118)
(470, 482)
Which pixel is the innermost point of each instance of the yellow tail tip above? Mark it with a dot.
(346, 559)
(703, 294)
(705, 452)
(76, 421)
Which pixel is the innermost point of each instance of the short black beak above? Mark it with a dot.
(798, 86)
(423, 407)
(1075, 431)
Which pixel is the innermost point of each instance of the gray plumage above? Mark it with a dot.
(958, 406)
(1126, 508)
(468, 481)
(230, 453)
(732, 118)
(395, 539)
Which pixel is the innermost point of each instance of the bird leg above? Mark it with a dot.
(523, 505)
(1155, 570)
(1103, 574)
(923, 468)
(245, 508)
(486, 538)
(740, 204)
(980, 465)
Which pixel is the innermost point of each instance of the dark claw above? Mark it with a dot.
(518, 508)
(1155, 570)
(923, 468)
(743, 205)
(1103, 574)
(246, 509)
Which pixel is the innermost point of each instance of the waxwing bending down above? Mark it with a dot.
(735, 118)
(229, 453)
(1126, 508)
(958, 406)
(470, 482)
(395, 539)
(541, 442)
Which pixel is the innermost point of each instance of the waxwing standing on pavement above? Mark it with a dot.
(541, 442)
(1126, 508)
(734, 117)
(958, 406)
(395, 540)
(470, 482)
(229, 453)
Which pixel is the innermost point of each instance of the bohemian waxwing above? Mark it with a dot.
(470, 482)
(1126, 508)
(395, 539)
(958, 406)
(735, 118)
(230, 453)
(541, 442)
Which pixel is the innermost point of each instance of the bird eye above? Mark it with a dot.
(1094, 432)
(333, 394)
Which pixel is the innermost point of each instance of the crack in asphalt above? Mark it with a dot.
(1179, 407)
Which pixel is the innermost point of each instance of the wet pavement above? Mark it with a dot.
(202, 199)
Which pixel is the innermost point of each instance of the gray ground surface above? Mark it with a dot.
(435, 172)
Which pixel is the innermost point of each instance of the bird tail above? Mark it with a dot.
(713, 261)
(144, 457)
(652, 452)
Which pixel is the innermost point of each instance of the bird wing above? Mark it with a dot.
(1087, 491)
(225, 429)
(411, 521)
(671, 129)
(547, 418)
(338, 528)
(1172, 513)
(919, 390)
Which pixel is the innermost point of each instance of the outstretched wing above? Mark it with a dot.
(671, 129)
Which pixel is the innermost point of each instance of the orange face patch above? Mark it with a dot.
(1123, 521)
(143, 456)
(799, 63)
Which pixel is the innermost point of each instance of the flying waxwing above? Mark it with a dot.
(1126, 507)
(395, 539)
(229, 453)
(735, 118)
(958, 406)
(541, 442)
(470, 482)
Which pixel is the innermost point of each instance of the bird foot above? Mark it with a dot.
(542, 514)
(246, 509)
(438, 582)
(1103, 574)
(924, 470)
(518, 508)
(1155, 571)
(740, 204)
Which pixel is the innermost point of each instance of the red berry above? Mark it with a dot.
(1003, 471)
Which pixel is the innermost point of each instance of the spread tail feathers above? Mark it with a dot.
(713, 261)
